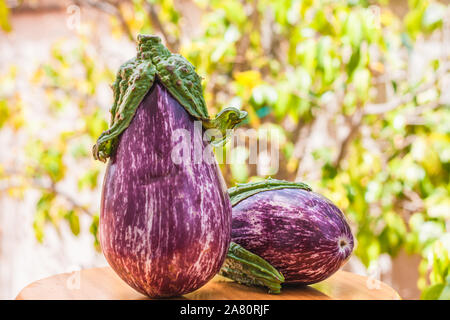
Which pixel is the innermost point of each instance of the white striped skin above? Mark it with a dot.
(299, 232)
(164, 228)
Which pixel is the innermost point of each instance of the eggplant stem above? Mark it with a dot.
(250, 269)
(244, 190)
(136, 77)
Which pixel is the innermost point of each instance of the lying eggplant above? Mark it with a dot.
(164, 225)
(295, 232)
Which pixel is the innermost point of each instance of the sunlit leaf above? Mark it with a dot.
(433, 292)
(74, 222)
(4, 17)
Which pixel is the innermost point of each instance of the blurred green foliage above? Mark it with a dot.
(290, 64)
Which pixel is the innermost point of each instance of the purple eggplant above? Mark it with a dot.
(300, 233)
(164, 225)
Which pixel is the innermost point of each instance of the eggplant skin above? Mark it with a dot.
(164, 227)
(299, 232)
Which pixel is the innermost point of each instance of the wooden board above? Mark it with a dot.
(103, 283)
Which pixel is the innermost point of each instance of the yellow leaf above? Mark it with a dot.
(377, 66)
(253, 117)
(116, 29)
(17, 118)
(4, 17)
(248, 79)
(387, 18)
(292, 165)
(16, 192)
(37, 76)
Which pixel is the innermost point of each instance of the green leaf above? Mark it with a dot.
(394, 85)
(413, 20)
(433, 292)
(93, 229)
(445, 293)
(361, 80)
(433, 16)
(44, 201)
(354, 61)
(353, 29)
(52, 163)
(74, 222)
(38, 226)
(89, 179)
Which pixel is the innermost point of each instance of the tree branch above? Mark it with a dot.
(111, 8)
(355, 123)
(244, 42)
(381, 108)
(171, 42)
(36, 184)
(20, 8)
(68, 198)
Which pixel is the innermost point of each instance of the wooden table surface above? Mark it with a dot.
(103, 283)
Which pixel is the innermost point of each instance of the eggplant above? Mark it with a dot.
(297, 233)
(164, 225)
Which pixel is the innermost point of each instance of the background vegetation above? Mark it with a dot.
(332, 77)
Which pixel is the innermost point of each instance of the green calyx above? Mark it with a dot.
(244, 190)
(249, 269)
(135, 78)
(219, 127)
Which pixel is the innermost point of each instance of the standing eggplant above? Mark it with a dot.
(164, 225)
(284, 232)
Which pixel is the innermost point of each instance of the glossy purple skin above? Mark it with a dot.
(301, 233)
(164, 227)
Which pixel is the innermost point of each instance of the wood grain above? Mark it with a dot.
(104, 284)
